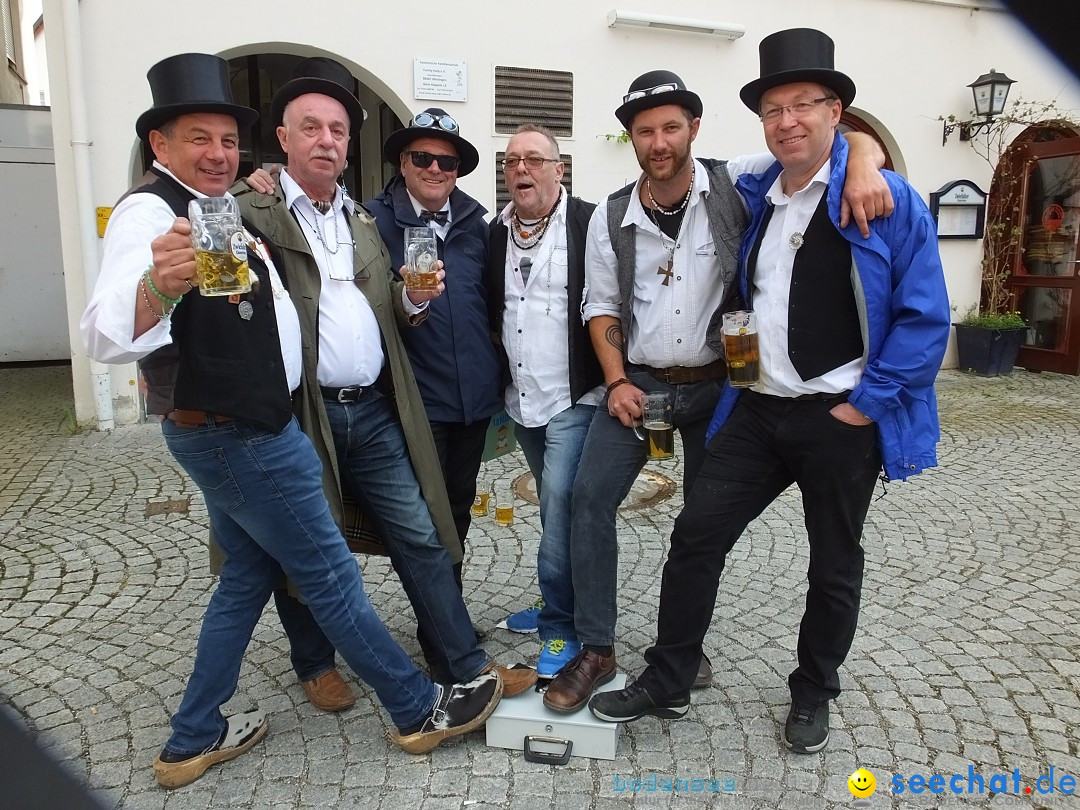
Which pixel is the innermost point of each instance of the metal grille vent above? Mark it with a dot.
(529, 95)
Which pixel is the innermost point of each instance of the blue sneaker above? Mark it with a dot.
(554, 655)
(524, 621)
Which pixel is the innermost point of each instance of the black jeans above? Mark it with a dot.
(767, 444)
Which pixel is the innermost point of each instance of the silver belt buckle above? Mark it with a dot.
(343, 393)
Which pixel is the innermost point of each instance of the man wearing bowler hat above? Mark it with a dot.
(220, 373)
(359, 401)
(661, 256)
(851, 336)
(452, 354)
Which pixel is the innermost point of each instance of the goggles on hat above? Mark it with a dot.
(447, 163)
(426, 120)
(649, 91)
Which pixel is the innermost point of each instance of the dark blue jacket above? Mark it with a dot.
(904, 307)
(455, 362)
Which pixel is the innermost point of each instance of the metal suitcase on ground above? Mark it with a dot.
(523, 723)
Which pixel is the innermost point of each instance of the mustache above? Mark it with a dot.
(329, 155)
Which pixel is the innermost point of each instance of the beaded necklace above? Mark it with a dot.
(531, 238)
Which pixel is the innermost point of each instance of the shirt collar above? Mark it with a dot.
(776, 196)
(293, 193)
(636, 213)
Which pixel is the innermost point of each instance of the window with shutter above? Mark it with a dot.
(9, 32)
(530, 95)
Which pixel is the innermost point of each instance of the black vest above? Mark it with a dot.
(218, 362)
(823, 318)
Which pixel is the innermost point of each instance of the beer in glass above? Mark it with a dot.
(480, 504)
(656, 416)
(421, 253)
(217, 235)
(741, 348)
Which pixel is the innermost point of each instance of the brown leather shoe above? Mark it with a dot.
(574, 684)
(329, 692)
(704, 673)
(516, 679)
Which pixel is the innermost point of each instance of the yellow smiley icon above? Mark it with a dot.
(862, 783)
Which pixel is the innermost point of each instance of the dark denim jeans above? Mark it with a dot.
(553, 452)
(264, 497)
(610, 461)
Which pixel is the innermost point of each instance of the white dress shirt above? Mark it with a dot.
(108, 323)
(772, 288)
(670, 322)
(534, 331)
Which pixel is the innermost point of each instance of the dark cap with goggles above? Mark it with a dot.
(656, 88)
(432, 123)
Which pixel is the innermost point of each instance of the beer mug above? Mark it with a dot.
(217, 235)
(480, 504)
(421, 253)
(741, 348)
(656, 416)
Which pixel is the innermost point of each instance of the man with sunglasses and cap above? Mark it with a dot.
(359, 402)
(852, 332)
(660, 260)
(456, 364)
(220, 372)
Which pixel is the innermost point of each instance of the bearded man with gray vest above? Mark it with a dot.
(851, 333)
(220, 373)
(661, 256)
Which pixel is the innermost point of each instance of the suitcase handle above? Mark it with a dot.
(545, 758)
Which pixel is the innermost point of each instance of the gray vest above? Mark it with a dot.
(727, 222)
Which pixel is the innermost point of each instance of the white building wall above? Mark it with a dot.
(910, 59)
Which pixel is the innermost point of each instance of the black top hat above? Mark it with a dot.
(655, 89)
(432, 123)
(797, 55)
(191, 83)
(320, 74)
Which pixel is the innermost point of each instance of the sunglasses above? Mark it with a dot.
(426, 120)
(649, 91)
(447, 163)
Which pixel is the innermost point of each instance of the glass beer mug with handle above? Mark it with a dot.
(217, 234)
(741, 348)
(656, 417)
(421, 253)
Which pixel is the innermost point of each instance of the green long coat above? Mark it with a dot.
(374, 277)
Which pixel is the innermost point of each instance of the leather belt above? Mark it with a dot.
(682, 375)
(351, 393)
(192, 419)
(817, 396)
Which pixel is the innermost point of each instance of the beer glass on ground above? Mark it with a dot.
(504, 509)
(421, 253)
(741, 348)
(656, 416)
(217, 235)
(480, 503)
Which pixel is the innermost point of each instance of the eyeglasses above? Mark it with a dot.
(798, 110)
(532, 162)
(650, 91)
(447, 163)
(426, 120)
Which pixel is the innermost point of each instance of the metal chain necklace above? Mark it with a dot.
(318, 228)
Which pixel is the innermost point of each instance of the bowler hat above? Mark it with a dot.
(325, 76)
(191, 83)
(797, 55)
(432, 123)
(656, 89)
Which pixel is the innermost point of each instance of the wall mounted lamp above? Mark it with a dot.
(663, 21)
(990, 91)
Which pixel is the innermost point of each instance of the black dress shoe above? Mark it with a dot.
(704, 673)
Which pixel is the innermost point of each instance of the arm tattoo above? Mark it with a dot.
(613, 335)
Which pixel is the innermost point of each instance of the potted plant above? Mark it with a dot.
(988, 342)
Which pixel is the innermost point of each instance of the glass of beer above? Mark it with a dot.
(480, 504)
(421, 253)
(741, 348)
(656, 416)
(217, 235)
(504, 508)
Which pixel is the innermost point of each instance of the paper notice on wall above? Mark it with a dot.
(440, 79)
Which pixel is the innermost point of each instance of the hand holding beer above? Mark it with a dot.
(741, 348)
(174, 260)
(220, 246)
(656, 408)
(421, 259)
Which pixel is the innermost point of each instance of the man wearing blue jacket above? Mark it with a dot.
(852, 332)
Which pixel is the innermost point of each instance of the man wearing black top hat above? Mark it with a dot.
(220, 373)
(660, 260)
(851, 334)
(359, 402)
(452, 354)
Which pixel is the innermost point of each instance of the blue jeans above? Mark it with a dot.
(264, 497)
(373, 459)
(610, 461)
(553, 452)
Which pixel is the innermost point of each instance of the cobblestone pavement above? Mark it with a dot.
(966, 654)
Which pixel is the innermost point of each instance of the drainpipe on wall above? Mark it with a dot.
(68, 84)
